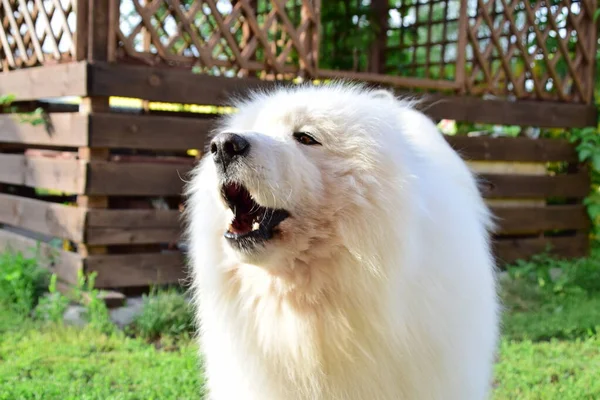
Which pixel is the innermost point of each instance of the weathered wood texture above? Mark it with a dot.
(148, 132)
(136, 179)
(180, 86)
(129, 270)
(64, 263)
(66, 175)
(52, 219)
(172, 85)
(69, 79)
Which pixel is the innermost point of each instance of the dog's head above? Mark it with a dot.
(296, 173)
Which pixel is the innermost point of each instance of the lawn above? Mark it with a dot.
(550, 348)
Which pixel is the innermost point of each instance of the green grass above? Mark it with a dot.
(43, 361)
(550, 347)
(560, 370)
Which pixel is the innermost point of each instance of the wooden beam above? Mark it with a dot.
(64, 263)
(510, 250)
(62, 130)
(65, 175)
(517, 220)
(572, 186)
(148, 132)
(168, 84)
(129, 270)
(68, 79)
(512, 149)
(545, 114)
(134, 218)
(52, 219)
(125, 236)
(136, 179)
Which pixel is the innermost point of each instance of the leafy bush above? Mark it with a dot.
(22, 281)
(165, 313)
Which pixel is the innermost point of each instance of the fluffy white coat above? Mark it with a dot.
(380, 286)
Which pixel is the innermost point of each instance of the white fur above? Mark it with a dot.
(381, 284)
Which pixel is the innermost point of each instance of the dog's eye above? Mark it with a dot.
(305, 138)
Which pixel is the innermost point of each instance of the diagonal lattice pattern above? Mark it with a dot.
(527, 49)
(531, 49)
(220, 37)
(36, 32)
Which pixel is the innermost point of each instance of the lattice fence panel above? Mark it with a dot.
(36, 32)
(220, 37)
(531, 49)
(423, 38)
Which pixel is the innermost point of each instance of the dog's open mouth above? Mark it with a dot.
(251, 222)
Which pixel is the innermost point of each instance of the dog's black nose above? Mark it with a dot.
(225, 147)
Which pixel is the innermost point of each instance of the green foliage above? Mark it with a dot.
(97, 314)
(22, 281)
(35, 117)
(52, 307)
(588, 149)
(549, 298)
(165, 314)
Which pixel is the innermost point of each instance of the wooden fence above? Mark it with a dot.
(105, 183)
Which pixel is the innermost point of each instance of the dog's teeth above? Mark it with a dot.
(255, 226)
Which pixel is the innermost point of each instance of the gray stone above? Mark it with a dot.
(75, 315)
(123, 316)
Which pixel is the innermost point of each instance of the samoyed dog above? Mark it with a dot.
(340, 250)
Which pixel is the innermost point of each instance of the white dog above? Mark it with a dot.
(340, 250)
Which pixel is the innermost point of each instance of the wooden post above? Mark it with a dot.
(377, 55)
(99, 17)
(99, 20)
(91, 105)
(81, 29)
(461, 51)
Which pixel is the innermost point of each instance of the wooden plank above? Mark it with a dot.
(66, 175)
(122, 236)
(134, 219)
(148, 132)
(545, 114)
(168, 84)
(512, 149)
(68, 79)
(64, 263)
(510, 250)
(515, 220)
(52, 219)
(574, 186)
(63, 129)
(130, 270)
(136, 179)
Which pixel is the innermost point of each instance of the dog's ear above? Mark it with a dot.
(383, 94)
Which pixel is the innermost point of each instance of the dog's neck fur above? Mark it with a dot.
(305, 319)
